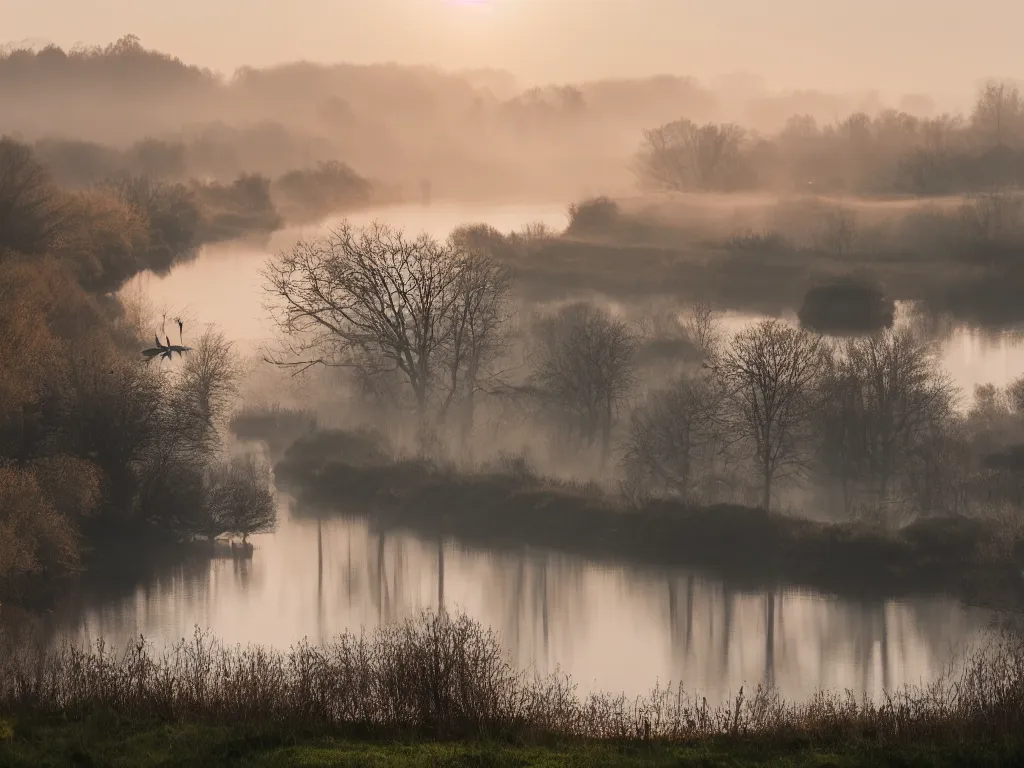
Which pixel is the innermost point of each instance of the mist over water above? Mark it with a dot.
(187, 182)
(224, 286)
(612, 626)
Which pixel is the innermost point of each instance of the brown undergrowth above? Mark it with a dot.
(448, 677)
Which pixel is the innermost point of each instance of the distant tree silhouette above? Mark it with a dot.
(30, 211)
(771, 372)
(584, 368)
(682, 155)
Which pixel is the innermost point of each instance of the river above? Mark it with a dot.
(613, 627)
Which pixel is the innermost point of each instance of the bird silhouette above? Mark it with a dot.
(166, 351)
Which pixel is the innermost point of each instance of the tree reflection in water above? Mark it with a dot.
(612, 626)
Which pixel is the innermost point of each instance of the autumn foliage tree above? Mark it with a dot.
(96, 445)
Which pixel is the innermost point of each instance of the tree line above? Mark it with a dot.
(97, 447)
(302, 191)
(773, 415)
(151, 218)
(892, 152)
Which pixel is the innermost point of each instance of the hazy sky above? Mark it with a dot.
(940, 46)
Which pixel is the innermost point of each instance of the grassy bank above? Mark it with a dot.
(962, 556)
(440, 690)
(95, 743)
(769, 251)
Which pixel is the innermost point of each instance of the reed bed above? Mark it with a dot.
(448, 677)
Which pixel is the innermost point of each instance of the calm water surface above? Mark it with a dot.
(613, 628)
(224, 286)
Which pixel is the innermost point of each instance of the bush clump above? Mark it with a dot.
(846, 307)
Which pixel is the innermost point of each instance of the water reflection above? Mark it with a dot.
(972, 356)
(612, 627)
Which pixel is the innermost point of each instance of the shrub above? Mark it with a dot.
(445, 677)
(594, 215)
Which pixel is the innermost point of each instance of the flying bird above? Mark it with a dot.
(166, 351)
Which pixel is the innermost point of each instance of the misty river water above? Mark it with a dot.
(612, 627)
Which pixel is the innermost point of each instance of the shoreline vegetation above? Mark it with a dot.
(505, 505)
(101, 453)
(440, 689)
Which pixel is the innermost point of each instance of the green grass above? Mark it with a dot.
(98, 743)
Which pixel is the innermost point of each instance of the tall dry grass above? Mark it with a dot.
(440, 676)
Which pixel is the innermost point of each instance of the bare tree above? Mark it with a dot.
(373, 300)
(675, 435)
(477, 337)
(903, 394)
(240, 499)
(370, 299)
(585, 368)
(704, 329)
(682, 155)
(206, 389)
(999, 110)
(770, 370)
(837, 231)
(993, 217)
(841, 407)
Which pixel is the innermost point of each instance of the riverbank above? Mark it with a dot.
(960, 556)
(770, 251)
(94, 743)
(441, 690)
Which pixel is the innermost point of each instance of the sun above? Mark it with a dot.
(473, 17)
(476, 9)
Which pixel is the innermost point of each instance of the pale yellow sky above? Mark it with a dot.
(938, 46)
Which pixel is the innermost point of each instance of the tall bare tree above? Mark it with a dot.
(682, 155)
(903, 394)
(999, 111)
(372, 299)
(841, 456)
(675, 435)
(704, 328)
(585, 368)
(771, 371)
(477, 338)
(206, 388)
